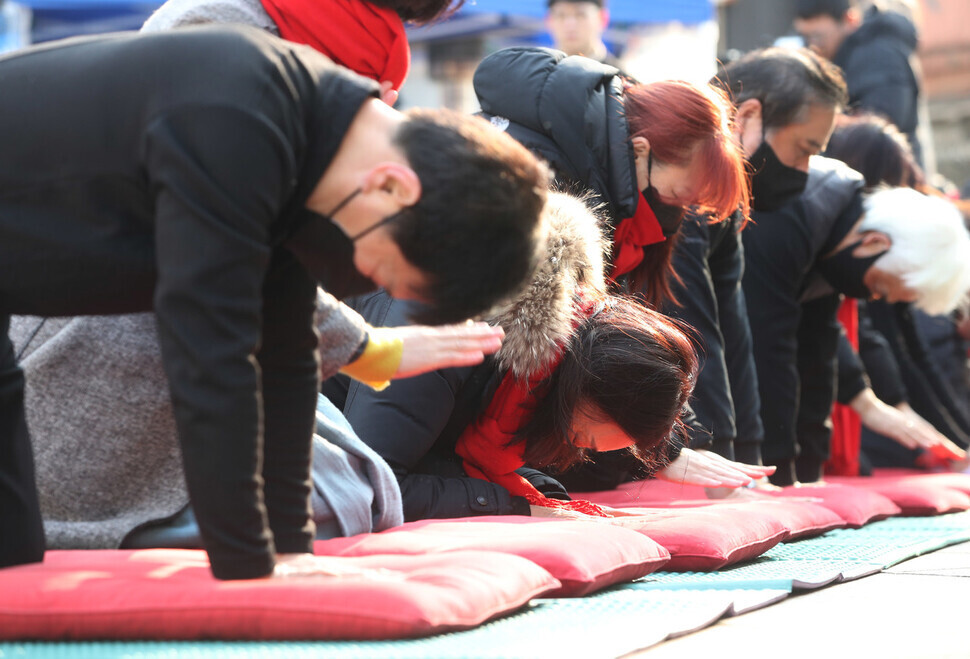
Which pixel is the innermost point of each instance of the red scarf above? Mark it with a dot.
(633, 234)
(358, 35)
(846, 424)
(485, 446)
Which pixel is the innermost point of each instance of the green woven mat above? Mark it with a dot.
(838, 555)
(623, 620)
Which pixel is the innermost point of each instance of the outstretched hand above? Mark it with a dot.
(928, 437)
(430, 348)
(709, 469)
(904, 426)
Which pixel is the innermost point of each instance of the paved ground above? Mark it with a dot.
(918, 609)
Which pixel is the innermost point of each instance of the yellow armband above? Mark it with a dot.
(380, 360)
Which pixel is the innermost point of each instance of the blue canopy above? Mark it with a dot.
(54, 19)
(621, 11)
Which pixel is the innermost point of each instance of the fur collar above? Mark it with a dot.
(543, 315)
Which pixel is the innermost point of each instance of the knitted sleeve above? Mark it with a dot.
(179, 13)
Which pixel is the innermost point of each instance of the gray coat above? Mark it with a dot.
(106, 449)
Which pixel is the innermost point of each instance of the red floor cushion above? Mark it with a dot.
(583, 556)
(642, 493)
(855, 505)
(707, 537)
(914, 494)
(170, 594)
(802, 519)
(955, 480)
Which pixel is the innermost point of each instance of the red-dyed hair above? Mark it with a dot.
(685, 122)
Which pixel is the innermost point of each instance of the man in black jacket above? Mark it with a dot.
(785, 107)
(875, 50)
(217, 175)
(799, 257)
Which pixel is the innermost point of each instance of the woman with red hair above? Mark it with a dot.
(646, 151)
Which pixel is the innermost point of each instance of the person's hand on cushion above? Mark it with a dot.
(295, 566)
(902, 425)
(708, 469)
(941, 447)
(562, 513)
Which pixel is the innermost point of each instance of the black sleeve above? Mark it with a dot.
(543, 482)
(916, 370)
(727, 271)
(818, 338)
(777, 254)
(879, 361)
(404, 424)
(696, 304)
(216, 197)
(938, 388)
(852, 374)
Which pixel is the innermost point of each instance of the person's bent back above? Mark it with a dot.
(216, 176)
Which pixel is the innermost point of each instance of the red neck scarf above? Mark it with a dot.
(633, 234)
(485, 446)
(353, 33)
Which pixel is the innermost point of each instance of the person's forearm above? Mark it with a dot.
(864, 403)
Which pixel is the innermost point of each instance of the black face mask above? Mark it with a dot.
(773, 182)
(845, 272)
(327, 253)
(669, 216)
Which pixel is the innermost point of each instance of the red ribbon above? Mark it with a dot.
(633, 234)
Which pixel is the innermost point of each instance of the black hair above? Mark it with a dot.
(837, 9)
(421, 11)
(476, 230)
(786, 81)
(634, 366)
(875, 148)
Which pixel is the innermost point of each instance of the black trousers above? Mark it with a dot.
(21, 528)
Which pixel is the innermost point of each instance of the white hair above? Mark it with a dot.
(930, 245)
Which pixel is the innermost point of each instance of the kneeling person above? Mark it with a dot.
(218, 176)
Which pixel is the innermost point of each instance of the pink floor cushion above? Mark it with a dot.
(956, 481)
(802, 519)
(707, 537)
(644, 493)
(583, 556)
(915, 494)
(165, 594)
(855, 505)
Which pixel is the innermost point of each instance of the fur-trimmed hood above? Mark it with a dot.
(543, 315)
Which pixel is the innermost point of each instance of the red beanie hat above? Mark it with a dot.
(353, 33)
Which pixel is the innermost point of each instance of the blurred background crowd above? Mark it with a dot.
(642, 36)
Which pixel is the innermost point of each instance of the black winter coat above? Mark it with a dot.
(792, 313)
(567, 110)
(709, 261)
(881, 72)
